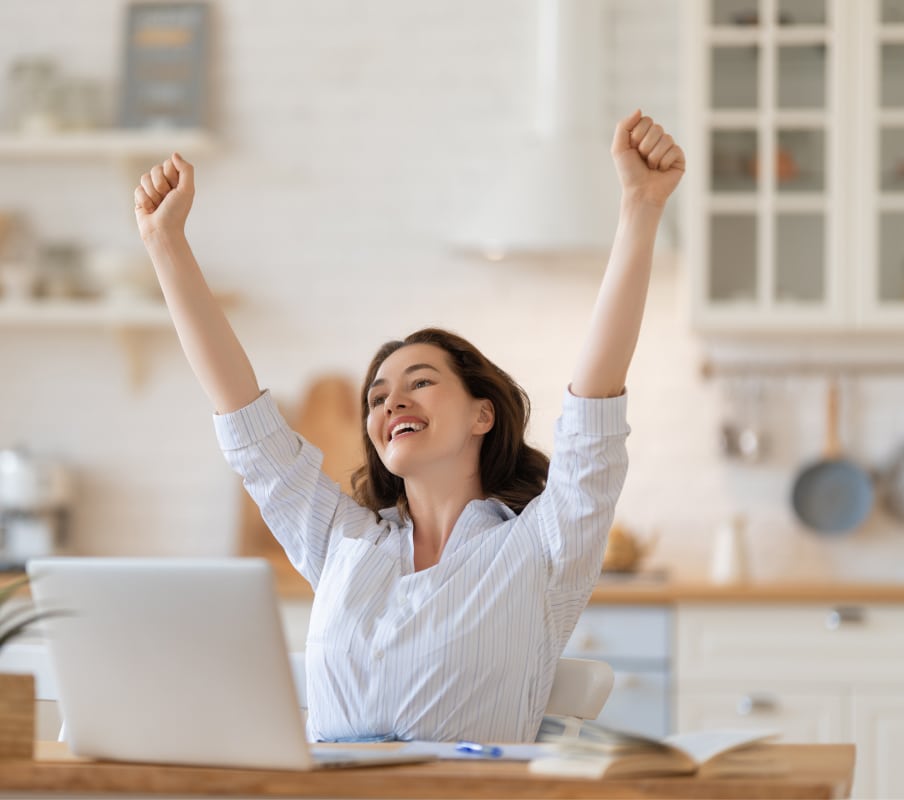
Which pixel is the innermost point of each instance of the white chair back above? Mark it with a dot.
(579, 691)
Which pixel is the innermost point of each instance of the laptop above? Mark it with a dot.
(178, 661)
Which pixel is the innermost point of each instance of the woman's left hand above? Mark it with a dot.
(648, 162)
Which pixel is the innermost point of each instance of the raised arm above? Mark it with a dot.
(649, 166)
(162, 202)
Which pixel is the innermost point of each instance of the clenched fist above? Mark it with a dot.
(164, 196)
(648, 161)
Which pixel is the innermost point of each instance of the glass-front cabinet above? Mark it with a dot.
(795, 210)
(882, 182)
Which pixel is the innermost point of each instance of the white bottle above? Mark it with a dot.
(729, 562)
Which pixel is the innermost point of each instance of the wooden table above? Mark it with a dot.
(816, 771)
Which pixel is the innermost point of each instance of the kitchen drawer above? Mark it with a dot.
(622, 633)
(800, 716)
(639, 703)
(807, 642)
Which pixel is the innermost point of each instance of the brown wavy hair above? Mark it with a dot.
(510, 470)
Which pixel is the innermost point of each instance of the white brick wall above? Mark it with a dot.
(354, 135)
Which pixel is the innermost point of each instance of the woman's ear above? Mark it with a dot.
(486, 417)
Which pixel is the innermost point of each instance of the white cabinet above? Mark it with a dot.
(636, 641)
(878, 725)
(811, 88)
(813, 714)
(816, 673)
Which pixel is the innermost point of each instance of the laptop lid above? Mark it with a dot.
(169, 660)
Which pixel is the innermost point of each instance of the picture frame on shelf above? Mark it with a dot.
(165, 72)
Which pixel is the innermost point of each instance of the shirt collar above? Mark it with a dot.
(495, 511)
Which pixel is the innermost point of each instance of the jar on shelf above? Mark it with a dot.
(18, 273)
(32, 92)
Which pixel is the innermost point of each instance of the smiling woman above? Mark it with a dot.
(448, 586)
(437, 367)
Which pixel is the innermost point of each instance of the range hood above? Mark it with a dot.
(556, 193)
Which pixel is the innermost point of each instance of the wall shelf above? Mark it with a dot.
(106, 144)
(127, 314)
(129, 320)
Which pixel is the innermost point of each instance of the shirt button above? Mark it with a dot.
(378, 654)
(402, 598)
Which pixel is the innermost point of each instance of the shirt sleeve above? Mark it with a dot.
(282, 472)
(586, 475)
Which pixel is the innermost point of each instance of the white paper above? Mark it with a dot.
(703, 745)
(510, 752)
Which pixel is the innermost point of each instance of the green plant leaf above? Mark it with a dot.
(22, 624)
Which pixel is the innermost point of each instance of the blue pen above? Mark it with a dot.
(477, 749)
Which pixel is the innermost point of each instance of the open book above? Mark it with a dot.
(603, 752)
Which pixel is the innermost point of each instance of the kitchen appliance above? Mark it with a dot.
(833, 494)
(35, 497)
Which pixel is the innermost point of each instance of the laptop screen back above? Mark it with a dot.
(168, 660)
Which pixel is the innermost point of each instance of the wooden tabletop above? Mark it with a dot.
(816, 771)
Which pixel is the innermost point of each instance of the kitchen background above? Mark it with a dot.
(351, 142)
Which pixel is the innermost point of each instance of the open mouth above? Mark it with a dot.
(405, 428)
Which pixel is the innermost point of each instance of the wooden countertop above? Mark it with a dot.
(816, 771)
(643, 591)
(656, 590)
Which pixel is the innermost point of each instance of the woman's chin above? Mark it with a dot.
(402, 465)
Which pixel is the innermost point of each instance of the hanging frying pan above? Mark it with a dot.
(833, 494)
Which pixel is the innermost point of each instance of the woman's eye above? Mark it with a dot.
(376, 401)
(421, 382)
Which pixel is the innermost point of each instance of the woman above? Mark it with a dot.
(448, 588)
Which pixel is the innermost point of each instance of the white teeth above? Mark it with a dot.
(406, 427)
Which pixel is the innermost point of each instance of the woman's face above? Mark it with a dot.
(421, 417)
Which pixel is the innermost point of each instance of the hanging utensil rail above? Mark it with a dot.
(719, 369)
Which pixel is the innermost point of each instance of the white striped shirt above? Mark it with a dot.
(465, 649)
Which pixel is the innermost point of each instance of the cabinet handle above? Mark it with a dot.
(756, 704)
(628, 680)
(844, 615)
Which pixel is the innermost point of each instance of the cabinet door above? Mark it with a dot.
(768, 99)
(878, 724)
(800, 716)
(881, 180)
(801, 643)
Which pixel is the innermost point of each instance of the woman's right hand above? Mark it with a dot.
(164, 197)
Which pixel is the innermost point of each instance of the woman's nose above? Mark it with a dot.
(394, 401)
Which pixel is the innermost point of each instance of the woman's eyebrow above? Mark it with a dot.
(406, 371)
